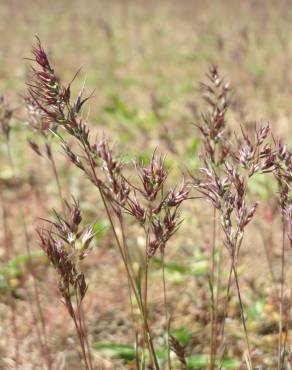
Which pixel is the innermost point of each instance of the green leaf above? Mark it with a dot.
(198, 362)
(194, 146)
(255, 310)
(199, 268)
(262, 185)
(196, 269)
(183, 335)
(120, 111)
(3, 283)
(15, 267)
(23, 259)
(144, 158)
(172, 266)
(123, 351)
(256, 69)
(100, 228)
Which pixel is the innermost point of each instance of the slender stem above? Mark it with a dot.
(144, 301)
(165, 308)
(281, 295)
(133, 285)
(96, 182)
(287, 329)
(242, 314)
(86, 338)
(81, 339)
(146, 266)
(218, 288)
(232, 257)
(82, 327)
(43, 350)
(145, 291)
(127, 256)
(213, 308)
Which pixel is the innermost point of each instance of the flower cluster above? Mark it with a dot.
(256, 156)
(283, 175)
(152, 177)
(50, 103)
(65, 245)
(115, 187)
(212, 126)
(153, 207)
(227, 193)
(48, 96)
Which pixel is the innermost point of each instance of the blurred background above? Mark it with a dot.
(143, 61)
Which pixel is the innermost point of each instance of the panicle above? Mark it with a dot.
(65, 245)
(152, 177)
(213, 123)
(116, 188)
(163, 227)
(53, 99)
(256, 156)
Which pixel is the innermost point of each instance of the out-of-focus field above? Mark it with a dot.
(143, 59)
